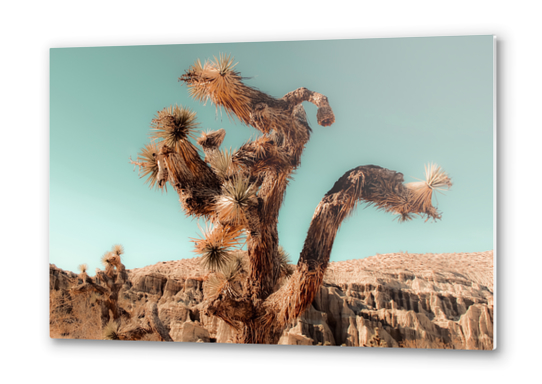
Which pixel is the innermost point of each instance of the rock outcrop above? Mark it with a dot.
(415, 300)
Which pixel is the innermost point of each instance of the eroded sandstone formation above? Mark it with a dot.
(415, 300)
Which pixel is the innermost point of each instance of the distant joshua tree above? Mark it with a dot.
(239, 193)
(117, 322)
(107, 283)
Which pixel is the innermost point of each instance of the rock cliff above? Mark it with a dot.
(411, 300)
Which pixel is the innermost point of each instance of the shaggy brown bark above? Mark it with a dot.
(371, 184)
(193, 180)
(245, 191)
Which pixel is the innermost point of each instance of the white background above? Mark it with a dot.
(29, 29)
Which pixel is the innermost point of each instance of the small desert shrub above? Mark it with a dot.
(111, 330)
(74, 316)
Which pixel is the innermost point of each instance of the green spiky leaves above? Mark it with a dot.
(173, 126)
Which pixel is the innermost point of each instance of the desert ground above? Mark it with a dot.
(442, 301)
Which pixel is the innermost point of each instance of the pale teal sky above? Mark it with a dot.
(398, 103)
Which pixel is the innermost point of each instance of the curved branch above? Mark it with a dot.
(219, 82)
(193, 180)
(372, 184)
(324, 114)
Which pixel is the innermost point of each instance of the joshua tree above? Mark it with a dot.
(240, 194)
(107, 283)
(83, 276)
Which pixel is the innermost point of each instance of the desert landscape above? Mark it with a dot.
(441, 301)
(243, 287)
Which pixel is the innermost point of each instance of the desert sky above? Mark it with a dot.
(399, 103)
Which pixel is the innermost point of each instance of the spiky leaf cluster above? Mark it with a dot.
(237, 195)
(112, 258)
(387, 192)
(228, 279)
(236, 266)
(148, 164)
(421, 192)
(107, 259)
(111, 330)
(117, 249)
(436, 177)
(218, 81)
(221, 162)
(173, 126)
(216, 244)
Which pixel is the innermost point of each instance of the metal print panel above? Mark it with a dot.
(320, 193)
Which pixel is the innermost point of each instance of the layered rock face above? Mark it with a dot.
(415, 300)
(424, 301)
